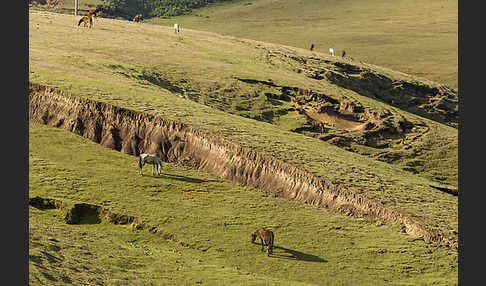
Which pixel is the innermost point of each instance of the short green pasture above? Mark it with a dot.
(214, 217)
(116, 61)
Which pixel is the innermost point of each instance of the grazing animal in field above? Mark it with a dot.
(150, 159)
(266, 238)
(138, 18)
(331, 51)
(87, 19)
(344, 53)
(312, 47)
(176, 28)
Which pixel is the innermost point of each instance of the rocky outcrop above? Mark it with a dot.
(134, 132)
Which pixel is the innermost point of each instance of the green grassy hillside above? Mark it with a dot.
(416, 37)
(199, 78)
(213, 217)
(118, 62)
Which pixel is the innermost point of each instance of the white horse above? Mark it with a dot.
(150, 159)
(176, 28)
(331, 51)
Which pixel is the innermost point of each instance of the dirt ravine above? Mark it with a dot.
(134, 132)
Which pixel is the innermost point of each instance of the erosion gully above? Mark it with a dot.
(133, 132)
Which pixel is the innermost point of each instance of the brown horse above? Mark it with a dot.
(87, 19)
(266, 236)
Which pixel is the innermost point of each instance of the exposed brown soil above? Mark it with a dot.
(334, 120)
(343, 122)
(431, 100)
(380, 132)
(333, 117)
(134, 132)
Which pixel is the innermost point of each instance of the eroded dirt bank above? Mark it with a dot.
(334, 114)
(428, 99)
(134, 132)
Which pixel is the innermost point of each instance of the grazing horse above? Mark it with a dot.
(344, 53)
(266, 236)
(150, 159)
(87, 19)
(138, 18)
(312, 47)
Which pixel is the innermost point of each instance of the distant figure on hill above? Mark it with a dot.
(138, 18)
(344, 53)
(312, 47)
(176, 28)
(331, 51)
(87, 19)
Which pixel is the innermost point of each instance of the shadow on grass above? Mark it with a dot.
(183, 178)
(90, 219)
(295, 255)
(286, 253)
